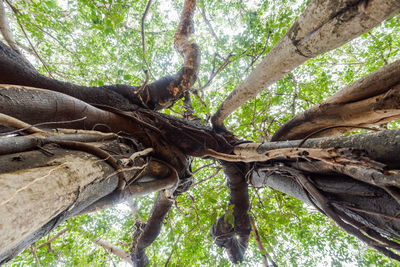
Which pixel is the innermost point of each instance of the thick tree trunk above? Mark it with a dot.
(42, 188)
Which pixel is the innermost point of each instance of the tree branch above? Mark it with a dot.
(147, 235)
(308, 37)
(369, 101)
(143, 35)
(223, 232)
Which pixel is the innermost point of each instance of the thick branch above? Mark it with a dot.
(155, 95)
(372, 100)
(155, 177)
(152, 229)
(234, 238)
(43, 191)
(189, 50)
(324, 25)
(382, 146)
(37, 106)
(5, 29)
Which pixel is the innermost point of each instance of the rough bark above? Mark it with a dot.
(40, 191)
(55, 181)
(344, 194)
(382, 146)
(323, 26)
(372, 209)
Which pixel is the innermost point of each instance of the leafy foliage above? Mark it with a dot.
(99, 42)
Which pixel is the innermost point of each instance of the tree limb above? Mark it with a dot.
(335, 24)
(147, 235)
(234, 238)
(369, 101)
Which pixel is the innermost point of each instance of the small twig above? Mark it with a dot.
(33, 251)
(220, 68)
(48, 242)
(260, 245)
(143, 39)
(202, 167)
(33, 48)
(173, 249)
(16, 11)
(259, 54)
(218, 169)
(203, 14)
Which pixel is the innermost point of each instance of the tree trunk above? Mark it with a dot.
(42, 188)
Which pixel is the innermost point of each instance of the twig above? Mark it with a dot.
(220, 68)
(33, 251)
(48, 242)
(16, 11)
(203, 14)
(218, 169)
(260, 245)
(173, 249)
(143, 39)
(259, 54)
(202, 167)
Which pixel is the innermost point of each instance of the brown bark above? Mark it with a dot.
(234, 238)
(147, 234)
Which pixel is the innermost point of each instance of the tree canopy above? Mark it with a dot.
(192, 75)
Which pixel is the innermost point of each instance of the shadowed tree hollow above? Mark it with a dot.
(224, 128)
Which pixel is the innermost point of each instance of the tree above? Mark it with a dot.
(70, 149)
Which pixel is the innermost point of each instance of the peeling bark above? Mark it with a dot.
(382, 146)
(43, 184)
